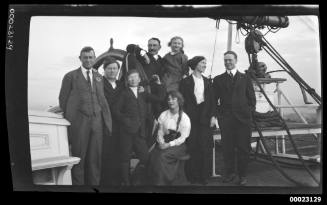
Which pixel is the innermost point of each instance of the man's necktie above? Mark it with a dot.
(88, 78)
(231, 75)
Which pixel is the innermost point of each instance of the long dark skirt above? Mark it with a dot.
(199, 145)
(110, 172)
(164, 164)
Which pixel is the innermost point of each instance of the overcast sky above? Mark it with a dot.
(55, 43)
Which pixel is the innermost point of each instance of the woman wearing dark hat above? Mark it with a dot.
(112, 89)
(196, 91)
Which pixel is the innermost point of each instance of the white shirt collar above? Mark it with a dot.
(85, 74)
(197, 78)
(135, 90)
(84, 69)
(173, 53)
(113, 84)
(233, 71)
(156, 56)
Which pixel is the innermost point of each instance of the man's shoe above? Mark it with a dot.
(229, 178)
(242, 181)
(203, 182)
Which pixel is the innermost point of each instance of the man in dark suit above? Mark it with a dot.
(233, 92)
(152, 66)
(84, 105)
(130, 111)
(151, 62)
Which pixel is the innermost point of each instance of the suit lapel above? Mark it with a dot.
(81, 77)
(206, 86)
(237, 78)
(226, 82)
(190, 87)
(191, 83)
(129, 90)
(205, 82)
(97, 78)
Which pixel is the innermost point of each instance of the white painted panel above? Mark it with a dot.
(43, 141)
(63, 148)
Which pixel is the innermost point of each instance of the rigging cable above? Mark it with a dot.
(287, 130)
(214, 48)
(261, 138)
(292, 72)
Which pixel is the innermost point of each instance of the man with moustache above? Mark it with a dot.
(152, 60)
(235, 94)
(84, 105)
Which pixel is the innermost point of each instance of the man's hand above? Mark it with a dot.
(147, 59)
(213, 122)
(140, 89)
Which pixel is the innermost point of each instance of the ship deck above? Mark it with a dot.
(261, 172)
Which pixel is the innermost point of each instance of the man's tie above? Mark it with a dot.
(230, 75)
(88, 78)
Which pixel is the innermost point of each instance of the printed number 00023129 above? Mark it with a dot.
(305, 199)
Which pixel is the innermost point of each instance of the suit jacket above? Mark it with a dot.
(187, 90)
(235, 96)
(73, 92)
(131, 111)
(154, 67)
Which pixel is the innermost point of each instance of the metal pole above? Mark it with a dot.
(319, 135)
(229, 37)
(279, 99)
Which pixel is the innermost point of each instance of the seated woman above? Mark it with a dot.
(166, 157)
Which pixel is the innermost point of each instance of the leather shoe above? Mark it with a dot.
(203, 182)
(229, 178)
(242, 181)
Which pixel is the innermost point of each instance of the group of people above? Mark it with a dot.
(166, 126)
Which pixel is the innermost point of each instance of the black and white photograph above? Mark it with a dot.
(165, 98)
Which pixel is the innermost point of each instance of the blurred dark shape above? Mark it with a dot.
(172, 135)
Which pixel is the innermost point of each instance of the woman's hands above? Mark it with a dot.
(140, 89)
(155, 78)
(164, 145)
(213, 122)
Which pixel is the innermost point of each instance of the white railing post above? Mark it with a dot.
(318, 121)
(281, 114)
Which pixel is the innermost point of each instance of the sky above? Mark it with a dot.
(55, 43)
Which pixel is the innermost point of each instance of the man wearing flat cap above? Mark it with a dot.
(197, 95)
(84, 105)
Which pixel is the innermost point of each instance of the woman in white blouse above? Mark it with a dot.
(196, 90)
(165, 158)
